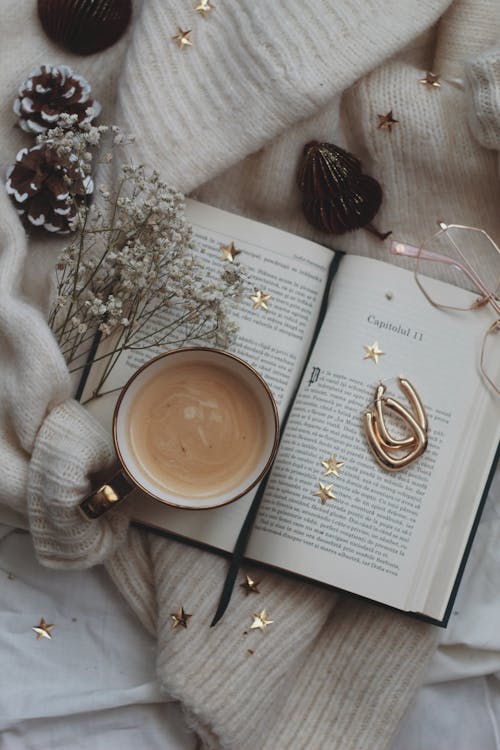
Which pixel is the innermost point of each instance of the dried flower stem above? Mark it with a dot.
(130, 278)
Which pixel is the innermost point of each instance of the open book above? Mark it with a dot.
(397, 538)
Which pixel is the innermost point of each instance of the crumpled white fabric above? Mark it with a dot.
(93, 686)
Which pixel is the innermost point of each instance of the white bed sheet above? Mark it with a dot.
(93, 686)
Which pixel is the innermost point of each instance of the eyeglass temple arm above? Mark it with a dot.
(410, 251)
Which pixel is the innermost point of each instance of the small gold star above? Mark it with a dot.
(260, 621)
(386, 122)
(373, 352)
(331, 465)
(180, 618)
(229, 252)
(325, 492)
(250, 586)
(204, 7)
(431, 80)
(260, 299)
(182, 38)
(43, 630)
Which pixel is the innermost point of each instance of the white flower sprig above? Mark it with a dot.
(130, 274)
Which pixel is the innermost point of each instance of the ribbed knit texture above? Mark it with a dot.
(483, 76)
(430, 166)
(257, 69)
(329, 672)
(69, 447)
(260, 80)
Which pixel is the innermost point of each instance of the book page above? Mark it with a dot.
(274, 341)
(382, 527)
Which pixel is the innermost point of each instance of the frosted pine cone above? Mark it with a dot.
(47, 188)
(47, 93)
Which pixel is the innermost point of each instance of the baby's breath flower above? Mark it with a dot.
(131, 272)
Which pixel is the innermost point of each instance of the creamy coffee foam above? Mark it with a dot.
(196, 430)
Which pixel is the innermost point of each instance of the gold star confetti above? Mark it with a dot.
(325, 492)
(260, 621)
(229, 252)
(431, 80)
(331, 465)
(180, 618)
(182, 38)
(204, 7)
(260, 299)
(43, 630)
(250, 586)
(386, 122)
(373, 352)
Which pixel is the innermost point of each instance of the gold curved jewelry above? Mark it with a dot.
(414, 399)
(385, 457)
(384, 436)
(386, 449)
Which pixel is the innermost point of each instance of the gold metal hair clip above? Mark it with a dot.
(394, 454)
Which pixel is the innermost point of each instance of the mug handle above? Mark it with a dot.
(106, 496)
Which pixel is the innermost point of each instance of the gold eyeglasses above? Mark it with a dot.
(466, 258)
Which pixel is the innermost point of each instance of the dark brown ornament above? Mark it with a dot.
(47, 188)
(85, 26)
(49, 91)
(338, 197)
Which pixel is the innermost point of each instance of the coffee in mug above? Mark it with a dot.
(193, 428)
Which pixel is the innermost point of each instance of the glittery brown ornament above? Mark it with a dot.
(338, 197)
(85, 26)
(47, 188)
(49, 91)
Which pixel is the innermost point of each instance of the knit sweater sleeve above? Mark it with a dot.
(48, 443)
(483, 79)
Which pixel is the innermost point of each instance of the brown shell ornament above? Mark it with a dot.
(337, 196)
(84, 26)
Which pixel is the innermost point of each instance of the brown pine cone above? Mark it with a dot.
(47, 93)
(47, 188)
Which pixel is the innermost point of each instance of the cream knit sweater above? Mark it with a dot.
(227, 119)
